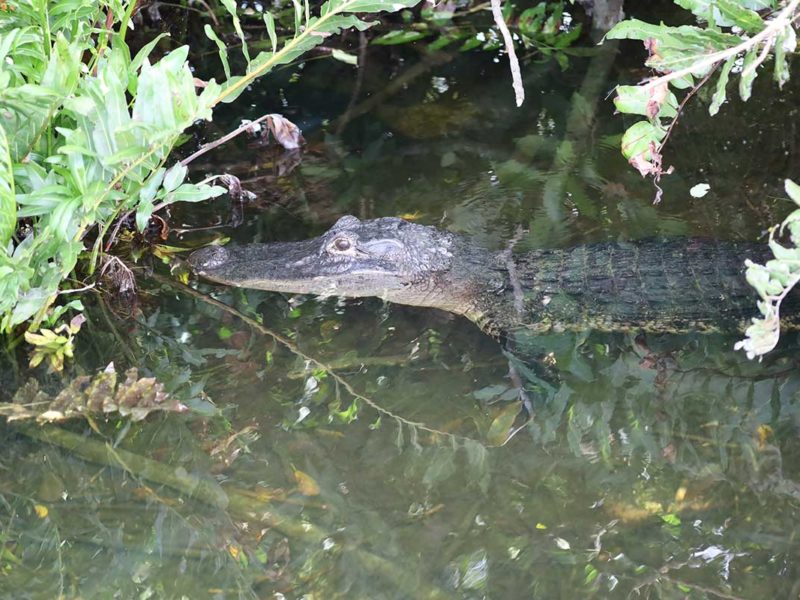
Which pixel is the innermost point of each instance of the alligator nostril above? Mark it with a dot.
(208, 258)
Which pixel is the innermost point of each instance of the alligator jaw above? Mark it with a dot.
(383, 257)
(289, 267)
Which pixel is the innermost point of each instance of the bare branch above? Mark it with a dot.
(516, 75)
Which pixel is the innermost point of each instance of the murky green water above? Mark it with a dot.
(653, 466)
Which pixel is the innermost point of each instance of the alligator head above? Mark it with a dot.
(389, 258)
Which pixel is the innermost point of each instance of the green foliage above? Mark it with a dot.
(78, 148)
(442, 25)
(773, 282)
(86, 130)
(309, 32)
(733, 36)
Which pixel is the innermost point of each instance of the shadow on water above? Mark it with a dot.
(660, 466)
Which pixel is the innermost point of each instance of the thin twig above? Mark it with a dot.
(678, 112)
(203, 149)
(682, 104)
(701, 588)
(362, 67)
(211, 145)
(516, 76)
(85, 288)
(293, 348)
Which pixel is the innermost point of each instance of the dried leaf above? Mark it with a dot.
(234, 186)
(658, 94)
(286, 133)
(644, 166)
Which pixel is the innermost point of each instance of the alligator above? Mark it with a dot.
(677, 285)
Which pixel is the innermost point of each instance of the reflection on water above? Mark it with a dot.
(659, 466)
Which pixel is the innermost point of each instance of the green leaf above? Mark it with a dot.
(230, 6)
(222, 50)
(719, 93)
(139, 59)
(269, 21)
(175, 176)
(502, 423)
(638, 137)
(8, 201)
(350, 59)
(190, 192)
(398, 37)
(786, 42)
(792, 190)
(675, 47)
(748, 74)
(143, 213)
(635, 100)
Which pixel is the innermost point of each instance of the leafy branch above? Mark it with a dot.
(331, 21)
(86, 132)
(773, 282)
(688, 53)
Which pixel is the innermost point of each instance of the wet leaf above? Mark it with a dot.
(502, 423)
(305, 483)
(562, 543)
(440, 468)
(748, 75)
(475, 571)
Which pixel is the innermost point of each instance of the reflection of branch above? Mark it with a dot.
(516, 76)
(292, 347)
(661, 574)
(362, 67)
(398, 84)
(701, 588)
(237, 502)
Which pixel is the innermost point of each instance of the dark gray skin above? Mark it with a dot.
(667, 286)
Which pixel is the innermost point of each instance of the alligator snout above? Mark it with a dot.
(207, 258)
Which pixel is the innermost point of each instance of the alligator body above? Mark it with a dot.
(668, 286)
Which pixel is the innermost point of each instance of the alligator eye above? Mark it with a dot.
(342, 244)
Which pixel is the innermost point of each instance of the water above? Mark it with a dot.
(659, 466)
